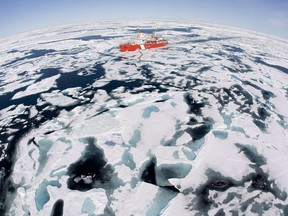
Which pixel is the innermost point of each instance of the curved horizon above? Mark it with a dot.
(260, 16)
(192, 22)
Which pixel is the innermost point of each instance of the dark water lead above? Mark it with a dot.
(210, 39)
(159, 175)
(155, 30)
(215, 182)
(148, 175)
(66, 80)
(128, 85)
(194, 106)
(91, 170)
(31, 54)
(233, 48)
(263, 113)
(57, 209)
(265, 93)
(47, 72)
(200, 131)
(146, 71)
(258, 180)
(95, 37)
(252, 154)
(278, 67)
(77, 79)
(240, 91)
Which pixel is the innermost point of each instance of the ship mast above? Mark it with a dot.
(154, 33)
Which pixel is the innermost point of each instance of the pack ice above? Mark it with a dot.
(198, 127)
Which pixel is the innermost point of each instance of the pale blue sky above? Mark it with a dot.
(268, 16)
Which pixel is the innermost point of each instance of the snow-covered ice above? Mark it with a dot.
(199, 127)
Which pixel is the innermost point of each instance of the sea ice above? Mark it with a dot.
(198, 127)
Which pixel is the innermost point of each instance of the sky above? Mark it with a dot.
(267, 16)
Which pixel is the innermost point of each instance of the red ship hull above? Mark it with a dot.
(134, 47)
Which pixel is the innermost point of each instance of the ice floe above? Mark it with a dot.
(195, 128)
